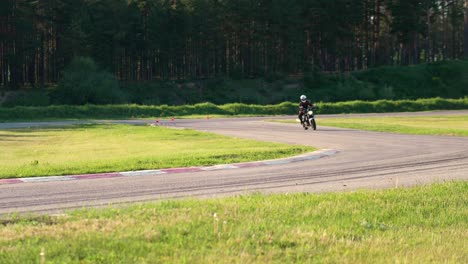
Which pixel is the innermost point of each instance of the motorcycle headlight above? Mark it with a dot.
(310, 112)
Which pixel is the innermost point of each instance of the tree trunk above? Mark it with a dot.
(376, 52)
(428, 36)
(465, 32)
(366, 29)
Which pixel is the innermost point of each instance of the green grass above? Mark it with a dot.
(428, 125)
(110, 148)
(418, 225)
(418, 125)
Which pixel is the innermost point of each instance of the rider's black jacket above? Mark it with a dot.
(304, 105)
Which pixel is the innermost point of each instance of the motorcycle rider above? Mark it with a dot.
(303, 105)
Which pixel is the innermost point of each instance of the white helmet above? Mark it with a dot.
(303, 98)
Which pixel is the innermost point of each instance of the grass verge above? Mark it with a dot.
(424, 125)
(109, 148)
(430, 125)
(417, 225)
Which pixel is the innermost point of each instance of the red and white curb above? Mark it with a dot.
(305, 157)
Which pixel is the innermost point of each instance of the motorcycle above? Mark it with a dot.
(308, 118)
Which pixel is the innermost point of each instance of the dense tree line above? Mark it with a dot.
(141, 40)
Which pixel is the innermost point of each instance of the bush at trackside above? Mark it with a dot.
(285, 108)
(83, 82)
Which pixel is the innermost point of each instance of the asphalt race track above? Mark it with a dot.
(363, 160)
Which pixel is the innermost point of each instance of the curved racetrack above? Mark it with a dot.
(365, 160)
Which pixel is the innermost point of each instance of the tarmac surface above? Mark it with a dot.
(348, 160)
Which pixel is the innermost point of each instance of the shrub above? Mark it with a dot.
(208, 108)
(285, 108)
(274, 76)
(386, 92)
(30, 98)
(448, 79)
(237, 72)
(314, 79)
(83, 83)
